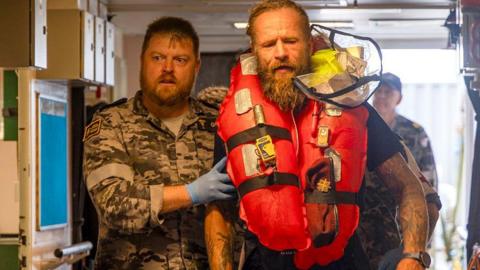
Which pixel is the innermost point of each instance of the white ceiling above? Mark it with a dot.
(395, 24)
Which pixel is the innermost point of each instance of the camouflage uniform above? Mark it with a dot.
(379, 228)
(213, 95)
(129, 156)
(417, 141)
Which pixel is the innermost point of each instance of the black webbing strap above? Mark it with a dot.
(331, 197)
(256, 132)
(275, 178)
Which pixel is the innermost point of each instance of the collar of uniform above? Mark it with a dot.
(138, 106)
(195, 109)
(194, 113)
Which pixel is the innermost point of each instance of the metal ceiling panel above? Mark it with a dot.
(214, 19)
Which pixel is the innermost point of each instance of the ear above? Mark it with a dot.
(197, 65)
(399, 99)
(252, 46)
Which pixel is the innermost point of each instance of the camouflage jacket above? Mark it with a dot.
(129, 155)
(379, 229)
(417, 141)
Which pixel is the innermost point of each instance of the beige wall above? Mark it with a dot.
(132, 45)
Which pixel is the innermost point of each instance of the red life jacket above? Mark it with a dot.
(271, 196)
(344, 135)
(272, 204)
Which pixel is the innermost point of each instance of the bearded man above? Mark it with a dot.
(148, 160)
(281, 41)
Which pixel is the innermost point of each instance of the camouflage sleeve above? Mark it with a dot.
(425, 159)
(212, 96)
(122, 204)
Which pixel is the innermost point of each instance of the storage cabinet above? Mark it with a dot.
(67, 4)
(99, 50)
(23, 33)
(110, 53)
(70, 46)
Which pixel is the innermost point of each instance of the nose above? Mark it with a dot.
(280, 51)
(168, 66)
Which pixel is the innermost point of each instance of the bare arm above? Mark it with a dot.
(174, 198)
(427, 187)
(408, 192)
(219, 235)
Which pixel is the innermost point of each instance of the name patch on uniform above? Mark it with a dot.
(92, 130)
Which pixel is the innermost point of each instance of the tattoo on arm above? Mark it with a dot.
(219, 236)
(227, 249)
(408, 192)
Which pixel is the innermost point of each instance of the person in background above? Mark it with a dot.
(148, 161)
(385, 101)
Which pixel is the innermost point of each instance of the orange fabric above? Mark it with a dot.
(348, 137)
(276, 214)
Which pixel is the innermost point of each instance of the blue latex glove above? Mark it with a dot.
(212, 186)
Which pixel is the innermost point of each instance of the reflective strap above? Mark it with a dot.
(259, 182)
(110, 170)
(256, 132)
(331, 197)
(430, 193)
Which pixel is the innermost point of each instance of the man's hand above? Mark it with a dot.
(212, 186)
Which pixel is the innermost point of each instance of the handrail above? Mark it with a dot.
(73, 249)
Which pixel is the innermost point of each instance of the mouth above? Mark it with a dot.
(283, 69)
(167, 81)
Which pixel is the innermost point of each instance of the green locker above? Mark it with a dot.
(9, 257)
(10, 105)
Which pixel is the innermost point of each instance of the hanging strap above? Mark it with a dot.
(263, 181)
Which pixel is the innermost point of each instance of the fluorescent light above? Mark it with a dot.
(321, 3)
(240, 25)
(407, 22)
(331, 24)
(324, 3)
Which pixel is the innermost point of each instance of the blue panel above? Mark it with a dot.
(53, 163)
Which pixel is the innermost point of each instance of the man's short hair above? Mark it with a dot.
(269, 5)
(177, 27)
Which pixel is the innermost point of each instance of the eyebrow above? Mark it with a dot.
(175, 55)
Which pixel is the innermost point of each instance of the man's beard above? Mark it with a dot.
(281, 90)
(179, 94)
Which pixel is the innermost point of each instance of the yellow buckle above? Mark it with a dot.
(266, 148)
